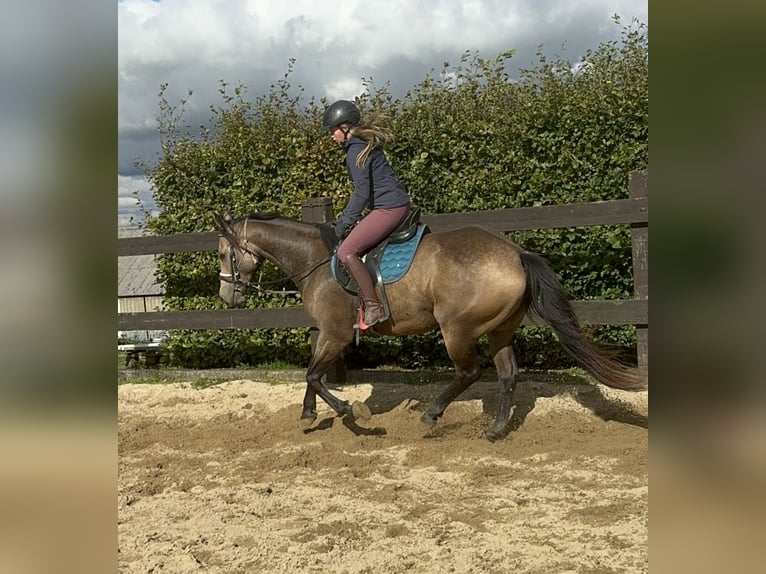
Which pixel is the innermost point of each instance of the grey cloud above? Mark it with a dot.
(324, 60)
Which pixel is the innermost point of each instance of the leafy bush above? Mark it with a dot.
(468, 138)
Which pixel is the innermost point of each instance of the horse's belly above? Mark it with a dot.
(406, 320)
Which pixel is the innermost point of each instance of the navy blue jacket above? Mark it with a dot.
(387, 190)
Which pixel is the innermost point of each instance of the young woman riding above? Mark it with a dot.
(375, 186)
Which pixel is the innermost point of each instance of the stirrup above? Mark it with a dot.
(360, 325)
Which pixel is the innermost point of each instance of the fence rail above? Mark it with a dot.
(633, 211)
(629, 312)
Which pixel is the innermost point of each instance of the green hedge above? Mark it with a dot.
(468, 138)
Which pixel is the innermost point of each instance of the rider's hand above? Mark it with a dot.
(340, 229)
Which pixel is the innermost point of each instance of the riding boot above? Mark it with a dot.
(373, 310)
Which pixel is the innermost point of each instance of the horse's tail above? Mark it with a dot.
(548, 300)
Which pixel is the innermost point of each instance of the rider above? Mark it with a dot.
(375, 186)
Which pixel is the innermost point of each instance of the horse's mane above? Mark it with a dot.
(326, 231)
(263, 216)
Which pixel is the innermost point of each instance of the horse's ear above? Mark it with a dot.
(223, 221)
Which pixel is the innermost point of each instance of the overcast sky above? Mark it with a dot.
(194, 44)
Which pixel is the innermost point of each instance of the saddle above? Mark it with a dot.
(389, 260)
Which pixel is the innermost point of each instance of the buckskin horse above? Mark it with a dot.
(467, 282)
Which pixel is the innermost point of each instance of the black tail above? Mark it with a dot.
(548, 300)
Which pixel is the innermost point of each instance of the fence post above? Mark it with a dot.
(319, 210)
(638, 185)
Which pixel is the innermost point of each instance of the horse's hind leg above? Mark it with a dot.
(463, 353)
(505, 363)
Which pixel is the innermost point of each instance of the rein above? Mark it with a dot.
(235, 277)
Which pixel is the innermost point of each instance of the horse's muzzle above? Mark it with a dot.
(231, 295)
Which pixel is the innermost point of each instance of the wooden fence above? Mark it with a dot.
(633, 211)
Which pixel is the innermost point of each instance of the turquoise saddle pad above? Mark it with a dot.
(394, 263)
(398, 257)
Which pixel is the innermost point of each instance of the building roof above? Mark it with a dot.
(135, 273)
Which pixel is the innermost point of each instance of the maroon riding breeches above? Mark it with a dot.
(371, 230)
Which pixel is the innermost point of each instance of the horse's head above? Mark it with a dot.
(237, 258)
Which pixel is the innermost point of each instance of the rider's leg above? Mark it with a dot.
(370, 231)
(373, 309)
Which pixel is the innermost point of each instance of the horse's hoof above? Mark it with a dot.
(493, 435)
(360, 410)
(428, 419)
(308, 420)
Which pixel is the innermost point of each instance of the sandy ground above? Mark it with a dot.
(226, 480)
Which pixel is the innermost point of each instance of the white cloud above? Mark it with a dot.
(194, 43)
(134, 195)
(127, 202)
(343, 89)
(128, 185)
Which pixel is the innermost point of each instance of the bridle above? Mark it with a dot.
(235, 277)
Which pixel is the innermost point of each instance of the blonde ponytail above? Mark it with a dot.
(372, 130)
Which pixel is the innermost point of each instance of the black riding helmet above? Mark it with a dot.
(341, 112)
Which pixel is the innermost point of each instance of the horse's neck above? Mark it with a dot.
(288, 244)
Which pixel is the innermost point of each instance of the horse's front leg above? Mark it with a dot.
(309, 412)
(315, 387)
(328, 350)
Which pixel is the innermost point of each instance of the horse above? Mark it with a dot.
(468, 282)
